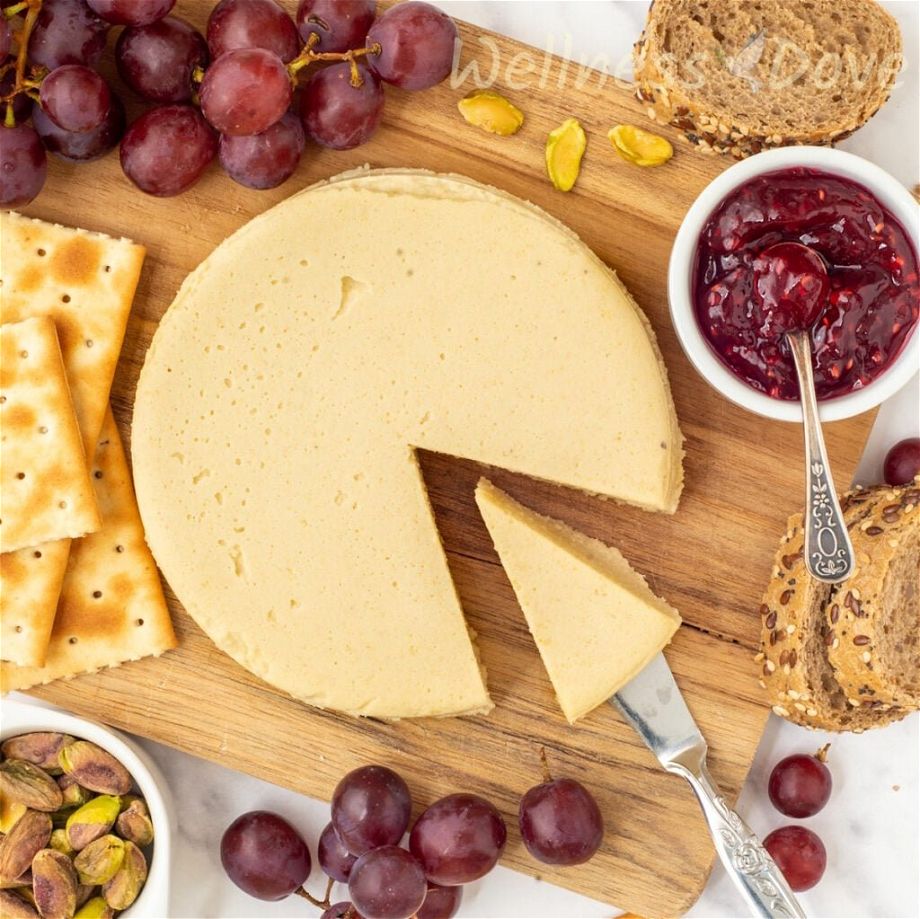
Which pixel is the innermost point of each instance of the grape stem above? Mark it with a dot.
(309, 56)
(20, 84)
(547, 775)
(323, 904)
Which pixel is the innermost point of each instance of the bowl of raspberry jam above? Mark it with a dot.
(731, 304)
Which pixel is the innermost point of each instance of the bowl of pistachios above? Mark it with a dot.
(85, 820)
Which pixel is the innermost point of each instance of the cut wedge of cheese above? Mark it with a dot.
(302, 363)
(594, 619)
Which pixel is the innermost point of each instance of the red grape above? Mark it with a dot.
(157, 60)
(799, 854)
(560, 822)
(902, 464)
(339, 25)
(387, 883)
(22, 104)
(75, 98)
(86, 146)
(264, 855)
(440, 902)
(6, 37)
(335, 860)
(341, 911)
(167, 149)
(23, 165)
(370, 808)
(800, 785)
(245, 91)
(337, 114)
(252, 24)
(416, 45)
(131, 12)
(458, 839)
(67, 32)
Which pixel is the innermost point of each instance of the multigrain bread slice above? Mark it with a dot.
(873, 619)
(796, 672)
(738, 76)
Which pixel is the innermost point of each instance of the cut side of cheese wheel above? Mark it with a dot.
(594, 619)
(301, 365)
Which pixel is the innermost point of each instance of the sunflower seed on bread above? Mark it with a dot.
(739, 76)
(795, 668)
(874, 616)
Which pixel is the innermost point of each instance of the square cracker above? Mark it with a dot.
(112, 607)
(85, 282)
(45, 490)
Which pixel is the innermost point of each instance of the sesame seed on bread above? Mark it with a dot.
(739, 76)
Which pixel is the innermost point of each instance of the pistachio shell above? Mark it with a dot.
(122, 890)
(92, 820)
(17, 849)
(14, 907)
(96, 908)
(491, 111)
(41, 748)
(27, 784)
(95, 768)
(98, 862)
(54, 884)
(639, 146)
(565, 147)
(84, 892)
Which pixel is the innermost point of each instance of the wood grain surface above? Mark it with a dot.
(711, 560)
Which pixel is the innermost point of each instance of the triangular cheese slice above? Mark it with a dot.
(594, 619)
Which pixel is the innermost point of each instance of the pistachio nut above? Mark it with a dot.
(60, 842)
(10, 812)
(13, 906)
(41, 748)
(29, 836)
(122, 890)
(134, 823)
(74, 793)
(95, 768)
(54, 884)
(93, 820)
(491, 111)
(27, 784)
(98, 862)
(639, 146)
(96, 908)
(84, 892)
(565, 147)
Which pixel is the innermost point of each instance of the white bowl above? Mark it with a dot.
(21, 718)
(889, 192)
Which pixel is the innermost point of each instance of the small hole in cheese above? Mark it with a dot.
(72, 639)
(119, 548)
(40, 252)
(65, 298)
(23, 353)
(36, 554)
(42, 430)
(97, 594)
(20, 475)
(89, 343)
(62, 504)
(139, 622)
(18, 628)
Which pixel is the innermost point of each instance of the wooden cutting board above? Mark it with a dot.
(711, 560)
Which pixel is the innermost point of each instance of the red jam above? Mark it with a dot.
(872, 295)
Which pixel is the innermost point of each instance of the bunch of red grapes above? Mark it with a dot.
(457, 840)
(231, 93)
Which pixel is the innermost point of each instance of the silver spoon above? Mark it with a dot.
(792, 282)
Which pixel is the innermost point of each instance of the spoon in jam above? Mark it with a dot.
(791, 282)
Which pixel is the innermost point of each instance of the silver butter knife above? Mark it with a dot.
(654, 706)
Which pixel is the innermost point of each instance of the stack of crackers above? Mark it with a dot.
(79, 589)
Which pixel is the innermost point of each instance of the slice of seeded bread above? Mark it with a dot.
(873, 619)
(738, 76)
(796, 672)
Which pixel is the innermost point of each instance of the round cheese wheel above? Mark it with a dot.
(302, 363)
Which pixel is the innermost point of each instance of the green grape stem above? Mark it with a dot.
(21, 84)
(309, 56)
(323, 904)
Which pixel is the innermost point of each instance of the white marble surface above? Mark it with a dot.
(870, 826)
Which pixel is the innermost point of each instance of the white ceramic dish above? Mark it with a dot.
(680, 274)
(21, 717)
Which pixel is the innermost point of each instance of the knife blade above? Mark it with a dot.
(654, 705)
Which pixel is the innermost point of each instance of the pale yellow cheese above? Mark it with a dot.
(301, 365)
(594, 618)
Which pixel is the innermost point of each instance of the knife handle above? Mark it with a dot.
(747, 862)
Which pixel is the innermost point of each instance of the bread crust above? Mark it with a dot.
(714, 132)
(859, 610)
(794, 635)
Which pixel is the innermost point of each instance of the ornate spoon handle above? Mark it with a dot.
(828, 550)
(748, 864)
